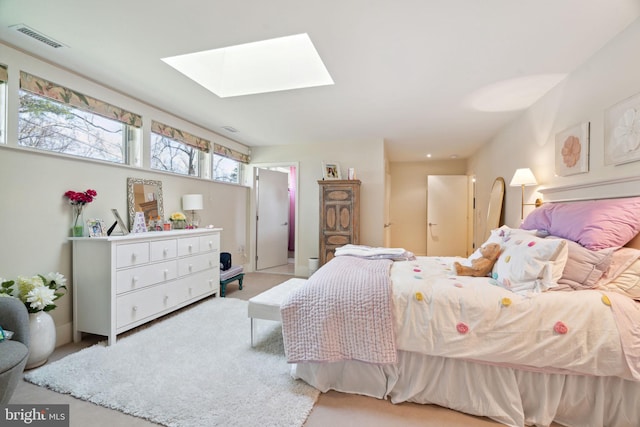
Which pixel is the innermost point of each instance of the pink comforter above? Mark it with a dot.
(343, 313)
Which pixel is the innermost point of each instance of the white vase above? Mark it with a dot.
(42, 341)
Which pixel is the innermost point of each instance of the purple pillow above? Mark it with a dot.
(595, 224)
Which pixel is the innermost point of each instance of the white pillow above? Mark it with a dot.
(528, 263)
(497, 236)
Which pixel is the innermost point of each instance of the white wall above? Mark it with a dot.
(408, 208)
(610, 76)
(366, 157)
(34, 215)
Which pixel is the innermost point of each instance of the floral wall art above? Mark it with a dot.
(572, 150)
(622, 132)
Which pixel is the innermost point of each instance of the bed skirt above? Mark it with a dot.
(510, 396)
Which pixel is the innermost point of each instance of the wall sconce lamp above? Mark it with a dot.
(193, 203)
(524, 177)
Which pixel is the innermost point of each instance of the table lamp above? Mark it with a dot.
(192, 203)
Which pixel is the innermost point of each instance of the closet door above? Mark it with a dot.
(447, 215)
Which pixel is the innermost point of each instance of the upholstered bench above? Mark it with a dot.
(228, 276)
(267, 304)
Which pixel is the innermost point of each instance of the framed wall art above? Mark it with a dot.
(622, 132)
(572, 150)
(331, 170)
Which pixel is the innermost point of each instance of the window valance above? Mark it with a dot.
(4, 76)
(221, 150)
(181, 136)
(55, 92)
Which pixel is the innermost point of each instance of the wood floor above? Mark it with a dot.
(332, 409)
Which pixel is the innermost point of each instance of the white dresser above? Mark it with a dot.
(120, 282)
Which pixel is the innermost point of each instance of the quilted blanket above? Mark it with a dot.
(343, 312)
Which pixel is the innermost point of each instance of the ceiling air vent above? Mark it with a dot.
(21, 28)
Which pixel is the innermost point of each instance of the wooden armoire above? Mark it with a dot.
(339, 216)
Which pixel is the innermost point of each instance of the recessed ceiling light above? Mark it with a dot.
(428, 156)
(283, 63)
(453, 156)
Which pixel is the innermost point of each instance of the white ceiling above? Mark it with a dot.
(405, 71)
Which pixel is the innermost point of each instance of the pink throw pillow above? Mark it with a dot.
(595, 224)
(584, 267)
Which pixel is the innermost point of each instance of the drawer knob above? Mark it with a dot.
(134, 308)
(190, 247)
(165, 251)
(133, 256)
(166, 272)
(166, 298)
(190, 267)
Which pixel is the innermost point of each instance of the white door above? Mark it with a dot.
(272, 224)
(447, 215)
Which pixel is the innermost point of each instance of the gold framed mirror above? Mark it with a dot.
(495, 216)
(144, 195)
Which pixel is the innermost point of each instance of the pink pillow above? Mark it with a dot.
(595, 224)
(584, 267)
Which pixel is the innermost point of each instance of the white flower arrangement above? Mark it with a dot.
(38, 292)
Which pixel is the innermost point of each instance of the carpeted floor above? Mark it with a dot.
(195, 368)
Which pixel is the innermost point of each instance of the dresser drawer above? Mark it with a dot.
(196, 285)
(138, 277)
(197, 263)
(188, 246)
(137, 306)
(210, 243)
(132, 254)
(164, 249)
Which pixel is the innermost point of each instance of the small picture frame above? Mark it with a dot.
(331, 170)
(119, 222)
(96, 228)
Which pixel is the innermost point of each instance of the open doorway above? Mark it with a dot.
(276, 201)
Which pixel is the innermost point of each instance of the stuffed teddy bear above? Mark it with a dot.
(482, 266)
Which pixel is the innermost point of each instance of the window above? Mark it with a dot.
(3, 104)
(176, 151)
(57, 119)
(228, 164)
(226, 170)
(170, 155)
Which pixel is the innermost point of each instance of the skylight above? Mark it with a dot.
(273, 65)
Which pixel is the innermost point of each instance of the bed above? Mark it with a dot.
(552, 336)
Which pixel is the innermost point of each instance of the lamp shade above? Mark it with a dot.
(192, 202)
(523, 176)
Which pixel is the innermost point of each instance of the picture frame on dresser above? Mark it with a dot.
(96, 228)
(119, 222)
(331, 170)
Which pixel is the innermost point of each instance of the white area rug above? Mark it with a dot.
(196, 368)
